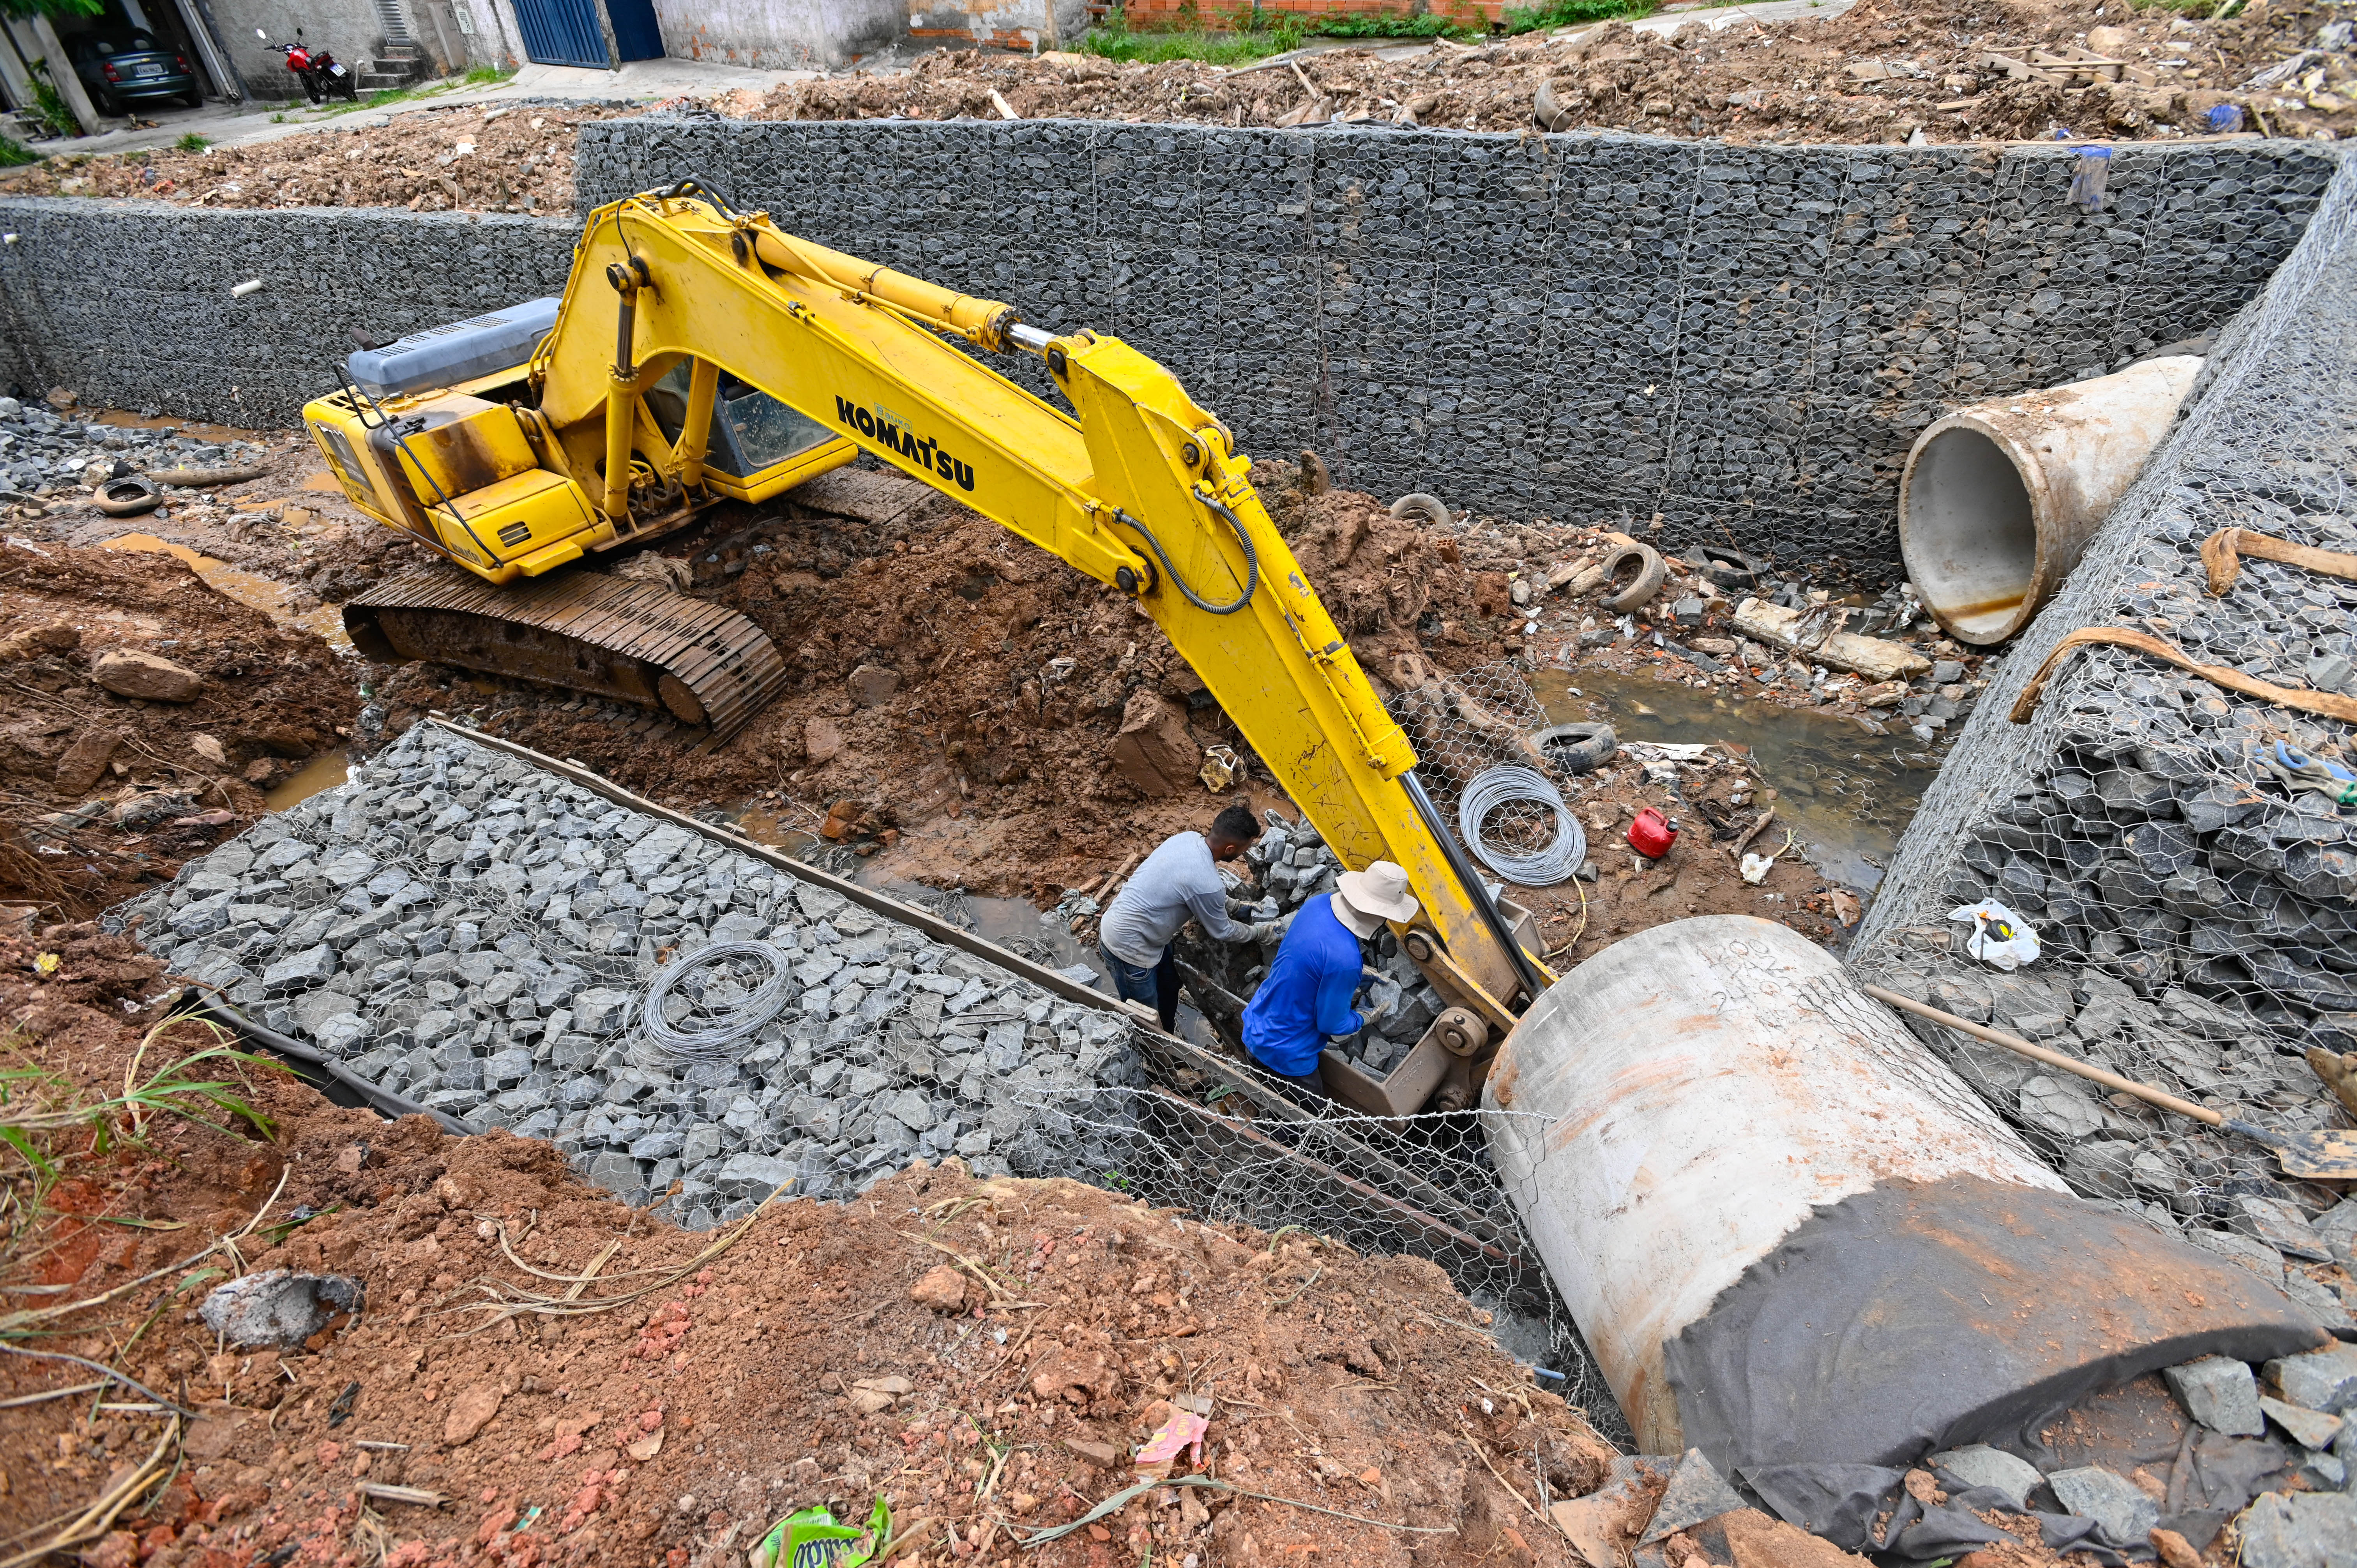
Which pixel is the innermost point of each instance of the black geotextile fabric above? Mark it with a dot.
(1923, 1316)
(1867, 1508)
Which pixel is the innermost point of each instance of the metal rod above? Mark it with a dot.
(2143, 1091)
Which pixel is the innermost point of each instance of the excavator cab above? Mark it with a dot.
(758, 446)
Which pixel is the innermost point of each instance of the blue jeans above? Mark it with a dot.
(1156, 987)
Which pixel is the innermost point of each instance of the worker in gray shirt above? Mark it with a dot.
(1179, 879)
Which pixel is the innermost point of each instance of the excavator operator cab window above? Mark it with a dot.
(750, 430)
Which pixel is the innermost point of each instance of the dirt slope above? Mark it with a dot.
(146, 782)
(720, 1390)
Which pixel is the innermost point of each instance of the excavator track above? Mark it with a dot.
(631, 640)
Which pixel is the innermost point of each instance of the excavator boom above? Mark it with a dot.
(674, 297)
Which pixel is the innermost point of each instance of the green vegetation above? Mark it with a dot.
(48, 1120)
(1574, 14)
(21, 10)
(485, 75)
(1115, 40)
(1252, 33)
(13, 152)
(49, 106)
(192, 143)
(1372, 26)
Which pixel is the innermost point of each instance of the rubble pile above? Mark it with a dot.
(51, 453)
(512, 158)
(479, 936)
(1879, 72)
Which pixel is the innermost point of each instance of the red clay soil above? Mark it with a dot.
(997, 756)
(693, 1391)
(178, 776)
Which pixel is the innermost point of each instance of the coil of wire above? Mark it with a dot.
(710, 1032)
(1511, 785)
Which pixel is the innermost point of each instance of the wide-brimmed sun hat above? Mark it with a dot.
(1380, 891)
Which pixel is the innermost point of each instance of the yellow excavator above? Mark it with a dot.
(700, 353)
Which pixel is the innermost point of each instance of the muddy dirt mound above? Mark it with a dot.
(144, 714)
(945, 673)
(1391, 584)
(538, 1374)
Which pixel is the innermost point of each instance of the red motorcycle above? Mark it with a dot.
(316, 68)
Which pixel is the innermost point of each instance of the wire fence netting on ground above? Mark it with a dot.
(2181, 850)
(486, 937)
(1483, 732)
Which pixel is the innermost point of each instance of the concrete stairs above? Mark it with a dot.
(398, 65)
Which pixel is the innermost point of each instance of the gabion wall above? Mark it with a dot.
(1741, 340)
(2197, 916)
(128, 304)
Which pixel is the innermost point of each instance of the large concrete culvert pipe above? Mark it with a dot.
(1791, 1236)
(1999, 500)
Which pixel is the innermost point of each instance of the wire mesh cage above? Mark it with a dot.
(2180, 848)
(1469, 730)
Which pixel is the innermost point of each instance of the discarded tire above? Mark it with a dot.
(128, 496)
(1430, 508)
(1578, 749)
(1728, 568)
(1635, 573)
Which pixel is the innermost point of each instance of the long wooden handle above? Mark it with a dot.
(2143, 1091)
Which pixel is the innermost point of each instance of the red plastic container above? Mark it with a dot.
(1650, 834)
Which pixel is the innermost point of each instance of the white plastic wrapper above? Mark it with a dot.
(1999, 936)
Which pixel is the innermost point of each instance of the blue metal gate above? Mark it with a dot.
(566, 32)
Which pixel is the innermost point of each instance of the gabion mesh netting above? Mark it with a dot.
(2195, 907)
(481, 935)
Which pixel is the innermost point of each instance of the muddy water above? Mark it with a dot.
(1845, 794)
(324, 771)
(271, 598)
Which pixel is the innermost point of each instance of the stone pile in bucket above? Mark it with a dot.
(1295, 866)
(480, 935)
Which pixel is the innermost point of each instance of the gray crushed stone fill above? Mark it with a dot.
(477, 934)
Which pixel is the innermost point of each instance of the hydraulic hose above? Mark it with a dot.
(1251, 557)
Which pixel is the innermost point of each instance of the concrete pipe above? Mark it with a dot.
(1793, 1236)
(1998, 500)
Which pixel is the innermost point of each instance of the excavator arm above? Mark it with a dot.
(1138, 488)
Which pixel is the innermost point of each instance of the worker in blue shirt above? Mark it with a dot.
(1305, 999)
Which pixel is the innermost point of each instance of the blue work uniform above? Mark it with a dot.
(1305, 997)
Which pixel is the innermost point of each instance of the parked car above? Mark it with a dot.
(133, 69)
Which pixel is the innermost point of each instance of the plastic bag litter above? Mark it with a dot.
(2224, 119)
(2089, 177)
(810, 1537)
(1999, 936)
